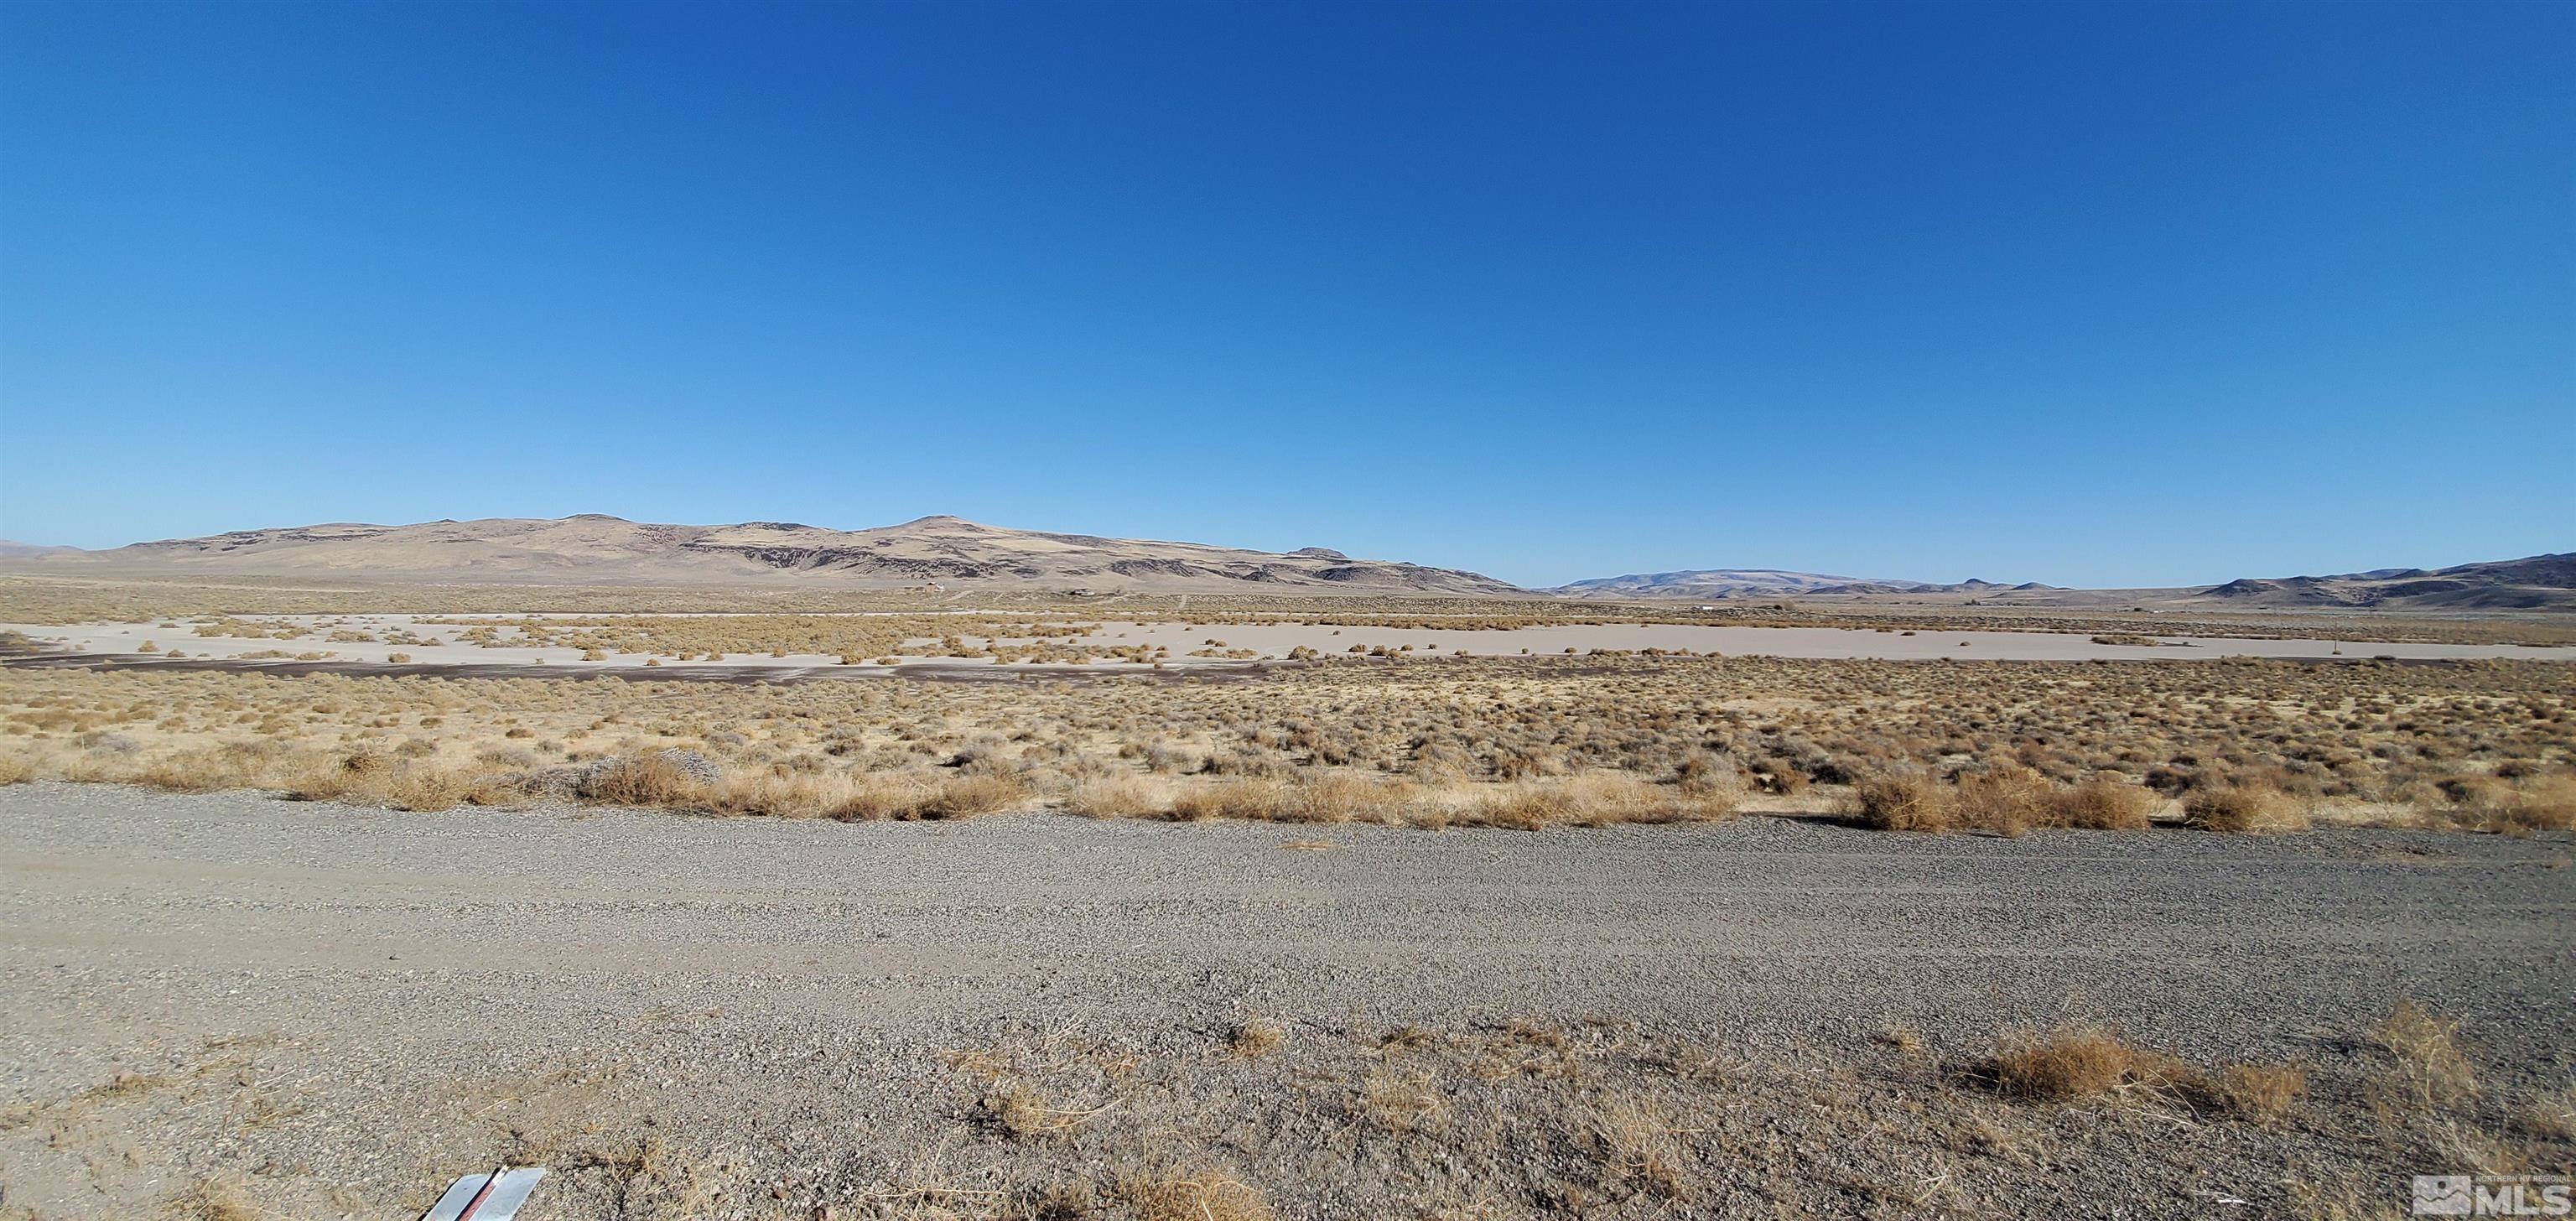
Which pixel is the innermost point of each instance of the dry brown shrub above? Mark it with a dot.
(1344, 798)
(371, 778)
(1589, 800)
(2539, 803)
(1902, 801)
(17, 767)
(421, 787)
(197, 771)
(1779, 777)
(2243, 808)
(326, 778)
(1256, 799)
(967, 796)
(2007, 799)
(1715, 786)
(647, 781)
(878, 796)
(1118, 797)
(2102, 805)
(2003, 799)
(780, 796)
(2080, 1062)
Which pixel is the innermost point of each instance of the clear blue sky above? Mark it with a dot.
(2083, 293)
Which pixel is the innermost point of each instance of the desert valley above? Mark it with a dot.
(1058, 875)
(1287, 610)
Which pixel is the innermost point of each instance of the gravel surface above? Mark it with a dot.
(333, 1010)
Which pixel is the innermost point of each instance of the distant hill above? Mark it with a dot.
(20, 551)
(1712, 583)
(595, 549)
(1718, 583)
(2540, 582)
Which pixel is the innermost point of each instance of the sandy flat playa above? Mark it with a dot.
(1267, 641)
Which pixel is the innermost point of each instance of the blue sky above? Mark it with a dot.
(2097, 294)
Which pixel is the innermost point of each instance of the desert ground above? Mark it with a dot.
(241, 1007)
(1241, 911)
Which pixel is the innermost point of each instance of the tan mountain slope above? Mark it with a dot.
(591, 548)
(2534, 583)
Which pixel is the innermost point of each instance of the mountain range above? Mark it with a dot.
(1714, 583)
(955, 554)
(2540, 582)
(596, 549)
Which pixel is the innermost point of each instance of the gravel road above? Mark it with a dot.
(333, 1010)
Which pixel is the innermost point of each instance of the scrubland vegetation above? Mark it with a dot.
(50, 599)
(2233, 746)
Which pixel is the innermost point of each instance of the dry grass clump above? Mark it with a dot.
(2537, 803)
(967, 796)
(365, 777)
(2007, 799)
(651, 780)
(2264, 1093)
(218, 1198)
(2102, 805)
(1632, 1139)
(2004, 799)
(783, 794)
(860, 796)
(2427, 1067)
(2552, 1116)
(1192, 1195)
(1593, 800)
(2073, 1062)
(1398, 1100)
(1119, 797)
(1339, 797)
(202, 771)
(1257, 1037)
(1027, 1113)
(368, 778)
(871, 797)
(2243, 808)
(1248, 799)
